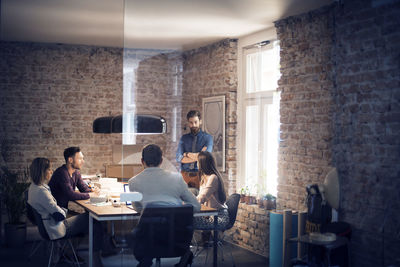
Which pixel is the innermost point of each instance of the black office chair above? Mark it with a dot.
(233, 204)
(45, 236)
(163, 232)
(31, 217)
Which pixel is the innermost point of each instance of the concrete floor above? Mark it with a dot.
(18, 257)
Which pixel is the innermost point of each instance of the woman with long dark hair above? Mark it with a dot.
(212, 193)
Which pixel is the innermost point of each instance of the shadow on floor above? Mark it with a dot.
(18, 257)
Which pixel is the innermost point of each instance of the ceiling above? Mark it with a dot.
(150, 24)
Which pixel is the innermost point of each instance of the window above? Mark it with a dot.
(260, 119)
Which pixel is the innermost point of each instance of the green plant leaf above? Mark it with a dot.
(12, 188)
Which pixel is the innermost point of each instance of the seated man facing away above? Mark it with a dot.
(159, 186)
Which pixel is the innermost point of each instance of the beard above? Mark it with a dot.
(76, 167)
(194, 130)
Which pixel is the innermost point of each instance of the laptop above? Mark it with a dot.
(126, 190)
(128, 203)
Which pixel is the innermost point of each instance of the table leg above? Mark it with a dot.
(90, 240)
(215, 259)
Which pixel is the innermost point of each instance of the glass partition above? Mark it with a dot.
(165, 82)
(152, 85)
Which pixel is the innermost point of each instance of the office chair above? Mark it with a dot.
(31, 217)
(233, 204)
(163, 232)
(45, 236)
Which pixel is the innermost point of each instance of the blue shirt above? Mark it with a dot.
(185, 145)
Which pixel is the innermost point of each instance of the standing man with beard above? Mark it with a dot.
(189, 147)
(67, 177)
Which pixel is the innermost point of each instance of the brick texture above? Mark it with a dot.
(170, 84)
(307, 104)
(367, 127)
(157, 90)
(211, 71)
(50, 95)
(340, 107)
(251, 229)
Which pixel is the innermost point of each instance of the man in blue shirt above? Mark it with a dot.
(189, 147)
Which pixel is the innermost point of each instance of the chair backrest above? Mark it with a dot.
(29, 212)
(233, 204)
(39, 222)
(163, 231)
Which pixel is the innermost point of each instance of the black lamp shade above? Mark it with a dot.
(102, 125)
(150, 124)
(144, 124)
(116, 124)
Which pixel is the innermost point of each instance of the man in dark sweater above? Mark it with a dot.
(67, 177)
(62, 186)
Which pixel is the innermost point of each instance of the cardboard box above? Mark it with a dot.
(123, 171)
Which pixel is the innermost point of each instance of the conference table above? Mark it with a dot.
(122, 213)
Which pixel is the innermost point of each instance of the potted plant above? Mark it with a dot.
(242, 195)
(260, 202)
(259, 192)
(253, 194)
(252, 200)
(12, 189)
(247, 195)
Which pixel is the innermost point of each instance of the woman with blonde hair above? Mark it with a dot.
(212, 193)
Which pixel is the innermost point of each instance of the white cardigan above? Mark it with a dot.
(41, 199)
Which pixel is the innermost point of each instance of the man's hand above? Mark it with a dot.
(94, 194)
(195, 156)
(190, 157)
(187, 159)
(96, 190)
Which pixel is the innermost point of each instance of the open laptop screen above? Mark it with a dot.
(126, 190)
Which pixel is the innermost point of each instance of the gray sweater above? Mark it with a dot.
(163, 187)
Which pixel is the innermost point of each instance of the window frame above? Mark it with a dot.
(244, 99)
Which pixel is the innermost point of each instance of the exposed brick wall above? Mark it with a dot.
(157, 90)
(171, 80)
(61, 89)
(306, 104)
(50, 95)
(340, 107)
(211, 71)
(251, 229)
(367, 127)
